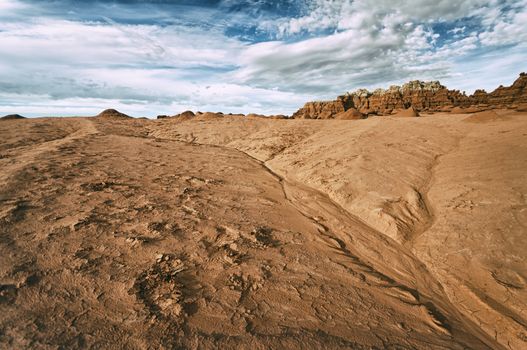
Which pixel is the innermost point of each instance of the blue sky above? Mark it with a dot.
(67, 57)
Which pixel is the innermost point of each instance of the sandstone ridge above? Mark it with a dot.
(421, 96)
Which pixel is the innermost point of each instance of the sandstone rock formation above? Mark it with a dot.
(321, 109)
(422, 96)
(507, 96)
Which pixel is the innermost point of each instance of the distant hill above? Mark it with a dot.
(112, 113)
(13, 116)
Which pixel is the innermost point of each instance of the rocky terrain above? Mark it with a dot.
(211, 230)
(421, 96)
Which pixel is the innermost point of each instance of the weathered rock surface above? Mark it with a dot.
(421, 96)
(506, 96)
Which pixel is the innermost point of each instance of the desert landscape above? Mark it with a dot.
(393, 219)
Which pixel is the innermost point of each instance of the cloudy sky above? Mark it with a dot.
(68, 57)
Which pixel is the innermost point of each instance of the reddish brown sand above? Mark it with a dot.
(253, 233)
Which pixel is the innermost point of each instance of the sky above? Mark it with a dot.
(144, 58)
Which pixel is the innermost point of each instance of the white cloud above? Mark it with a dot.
(511, 28)
(146, 70)
(340, 61)
(488, 70)
(374, 14)
(134, 64)
(149, 69)
(382, 41)
(67, 42)
(7, 6)
(242, 99)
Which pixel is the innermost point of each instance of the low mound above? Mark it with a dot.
(467, 110)
(445, 109)
(476, 109)
(209, 116)
(407, 113)
(254, 115)
(350, 114)
(13, 116)
(112, 114)
(485, 117)
(457, 110)
(187, 115)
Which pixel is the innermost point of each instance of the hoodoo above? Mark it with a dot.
(419, 95)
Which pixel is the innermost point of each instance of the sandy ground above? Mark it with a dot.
(247, 233)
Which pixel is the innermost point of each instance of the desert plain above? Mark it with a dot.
(228, 231)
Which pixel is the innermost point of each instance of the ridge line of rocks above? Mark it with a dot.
(419, 96)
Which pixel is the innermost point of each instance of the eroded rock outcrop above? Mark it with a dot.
(512, 95)
(421, 96)
(322, 109)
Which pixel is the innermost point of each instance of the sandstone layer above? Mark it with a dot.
(422, 96)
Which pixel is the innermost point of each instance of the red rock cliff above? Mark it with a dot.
(422, 96)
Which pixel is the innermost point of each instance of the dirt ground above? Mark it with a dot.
(250, 233)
